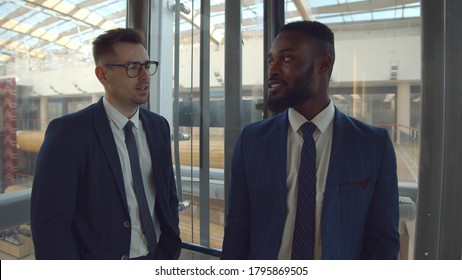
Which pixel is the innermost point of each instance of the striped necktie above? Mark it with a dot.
(303, 239)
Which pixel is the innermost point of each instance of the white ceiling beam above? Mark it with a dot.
(79, 14)
(303, 8)
(197, 25)
(361, 6)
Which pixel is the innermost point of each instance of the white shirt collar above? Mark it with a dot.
(118, 118)
(321, 120)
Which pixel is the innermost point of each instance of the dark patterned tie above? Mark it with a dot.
(303, 240)
(147, 224)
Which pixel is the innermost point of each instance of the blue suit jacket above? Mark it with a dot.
(360, 213)
(78, 205)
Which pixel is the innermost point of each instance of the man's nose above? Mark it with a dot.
(144, 74)
(274, 68)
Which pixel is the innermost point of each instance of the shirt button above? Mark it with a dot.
(124, 257)
(127, 224)
(320, 197)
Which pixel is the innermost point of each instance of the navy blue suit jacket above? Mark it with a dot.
(360, 213)
(78, 205)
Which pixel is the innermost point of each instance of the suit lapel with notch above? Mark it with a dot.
(106, 138)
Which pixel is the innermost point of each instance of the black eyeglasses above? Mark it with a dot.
(134, 68)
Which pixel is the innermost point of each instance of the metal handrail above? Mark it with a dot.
(14, 208)
(201, 249)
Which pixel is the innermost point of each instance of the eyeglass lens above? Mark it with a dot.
(134, 69)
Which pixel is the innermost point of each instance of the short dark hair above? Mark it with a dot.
(320, 32)
(104, 43)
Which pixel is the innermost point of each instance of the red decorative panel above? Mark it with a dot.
(9, 148)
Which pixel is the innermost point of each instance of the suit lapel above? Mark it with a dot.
(155, 146)
(104, 134)
(341, 141)
(278, 159)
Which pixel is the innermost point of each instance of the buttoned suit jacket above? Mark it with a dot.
(360, 211)
(78, 205)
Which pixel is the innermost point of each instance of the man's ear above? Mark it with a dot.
(326, 63)
(100, 74)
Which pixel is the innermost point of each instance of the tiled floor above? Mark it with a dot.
(5, 256)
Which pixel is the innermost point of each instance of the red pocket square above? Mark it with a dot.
(362, 184)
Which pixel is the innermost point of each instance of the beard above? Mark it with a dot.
(294, 95)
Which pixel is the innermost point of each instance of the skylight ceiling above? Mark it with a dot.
(39, 28)
(348, 11)
(338, 14)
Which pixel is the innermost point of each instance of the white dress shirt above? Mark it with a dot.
(323, 139)
(118, 121)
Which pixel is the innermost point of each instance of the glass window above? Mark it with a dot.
(187, 103)
(47, 71)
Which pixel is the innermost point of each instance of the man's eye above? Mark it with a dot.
(286, 59)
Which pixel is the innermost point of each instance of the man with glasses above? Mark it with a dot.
(104, 185)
